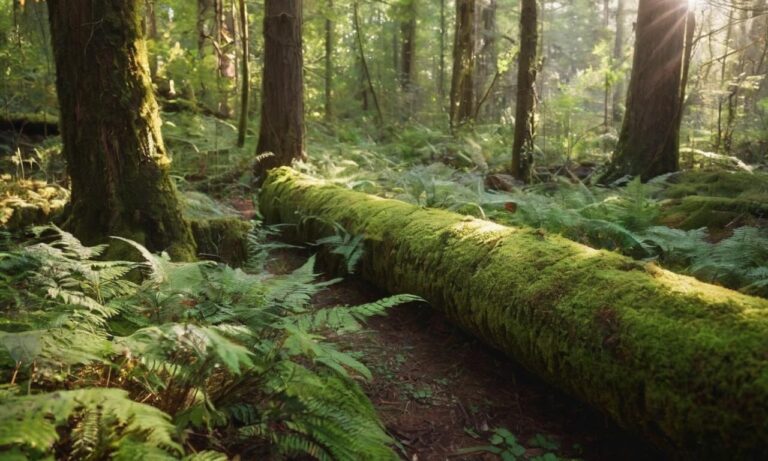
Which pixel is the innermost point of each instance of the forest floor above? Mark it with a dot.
(440, 392)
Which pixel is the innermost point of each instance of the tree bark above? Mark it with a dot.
(441, 77)
(245, 88)
(618, 57)
(282, 110)
(522, 147)
(110, 128)
(408, 33)
(462, 82)
(648, 143)
(487, 54)
(364, 65)
(329, 26)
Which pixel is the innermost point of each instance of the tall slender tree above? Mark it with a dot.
(282, 110)
(408, 36)
(648, 143)
(522, 146)
(110, 128)
(462, 82)
(328, 84)
(245, 74)
(617, 58)
(441, 72)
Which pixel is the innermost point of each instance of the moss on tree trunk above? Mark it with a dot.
(680, 361)
(111, 128)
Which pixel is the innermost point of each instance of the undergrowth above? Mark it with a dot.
(160, 360)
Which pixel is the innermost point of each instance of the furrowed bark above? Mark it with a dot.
(680, 361)
(110, 128)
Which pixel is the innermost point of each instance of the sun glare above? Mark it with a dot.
(692, 4)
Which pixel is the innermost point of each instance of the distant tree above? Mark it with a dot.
(487, 56)
(462, 82)
(408, 35)
(328, 84)
(617, 57)
(648, 143)
(522, 147)
(282, 109)
(110, 128)
(245, 74)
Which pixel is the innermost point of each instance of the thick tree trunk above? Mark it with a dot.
(522, 147)
(462, 82)
(678, 360)
(282, 110)
(111, 128)
(245, 84)
(648, 143)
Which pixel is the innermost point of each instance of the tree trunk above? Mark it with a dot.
(110, 128)
(618, 58)
(329, 62)
(408, 33)
(245, 70)
(282, 110)
(364, 65)
(486, 53)
(203, 25)
(648, 143)
(441, 77)
(522, 147)
(151, 33)
(462, 82)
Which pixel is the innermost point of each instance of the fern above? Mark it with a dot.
(240, 357)
(30, 423)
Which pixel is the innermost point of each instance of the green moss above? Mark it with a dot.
(715, 199)
(223, 239)
(718, 183)
(681, 361)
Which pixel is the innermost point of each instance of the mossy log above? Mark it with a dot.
(222, 239)
(682, 362)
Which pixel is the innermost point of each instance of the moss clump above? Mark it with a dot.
(223, 239)
(742, 184)
(29, 202)
(681, 361)
(715, 199)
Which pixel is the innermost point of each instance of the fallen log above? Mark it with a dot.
(682, 362)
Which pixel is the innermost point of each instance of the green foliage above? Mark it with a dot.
(503, 443)
(195, 347)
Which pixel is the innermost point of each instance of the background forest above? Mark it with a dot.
(526, 113)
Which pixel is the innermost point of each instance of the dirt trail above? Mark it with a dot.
(439, 391)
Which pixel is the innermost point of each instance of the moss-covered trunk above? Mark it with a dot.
(111, 127)
(681, 361)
